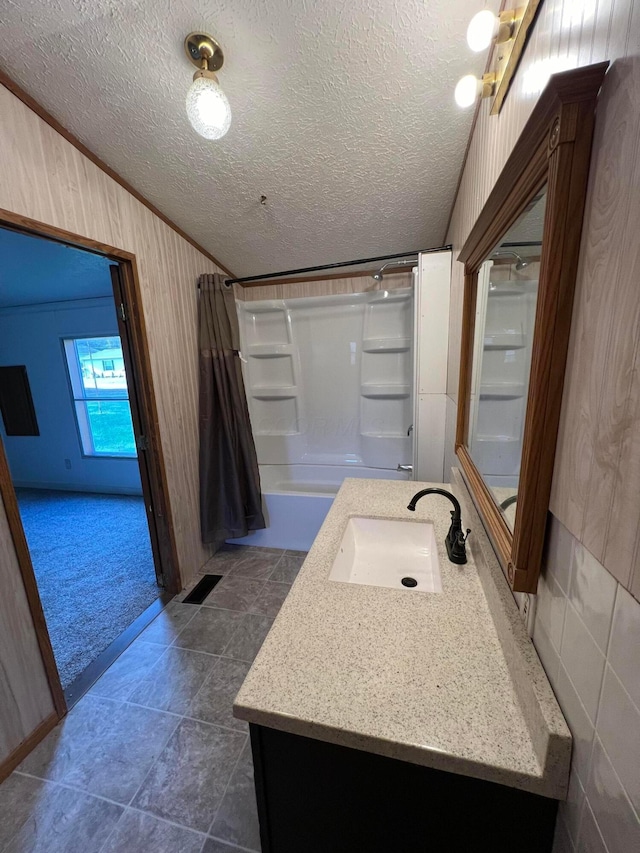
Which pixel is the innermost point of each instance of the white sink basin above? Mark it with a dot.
(379, 552)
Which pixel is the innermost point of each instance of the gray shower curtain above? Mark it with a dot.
(230, 499)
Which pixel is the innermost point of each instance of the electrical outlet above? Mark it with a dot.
(528, 611)
(67, 464)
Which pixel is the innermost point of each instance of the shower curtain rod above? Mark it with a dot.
(230, 281)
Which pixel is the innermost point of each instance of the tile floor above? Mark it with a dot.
(151, 759)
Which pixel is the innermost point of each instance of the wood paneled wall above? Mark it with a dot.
(325, 287)
(44, 177)
(596, 490)
(25, 697)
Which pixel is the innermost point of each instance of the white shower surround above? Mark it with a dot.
(330, 388)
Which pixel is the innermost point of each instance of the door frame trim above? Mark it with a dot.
(142, 402)
(10, 501)
(143, 379)
(23, 749)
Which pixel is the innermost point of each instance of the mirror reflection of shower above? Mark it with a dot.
(506, 301)
(521, 263)
(378, 275)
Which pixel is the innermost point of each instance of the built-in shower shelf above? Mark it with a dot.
(377, 391)
(284, 393)
(386, 435)
(389, 296)
(502, 391)
(269, 350)
(511, 288)
(496, 439)
(504, 340)
(386, 344)
(264, 307)
(502, 290)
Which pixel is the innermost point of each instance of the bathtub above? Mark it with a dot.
(297, 498)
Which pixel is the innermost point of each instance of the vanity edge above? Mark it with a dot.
(548, 737)
(550, 734)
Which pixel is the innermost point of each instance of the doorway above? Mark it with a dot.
(83, 470)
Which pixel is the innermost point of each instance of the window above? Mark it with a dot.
(100, 396)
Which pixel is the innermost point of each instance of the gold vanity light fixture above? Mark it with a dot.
(485, 28)
(470, 87)
(208, 109)
(505, 35)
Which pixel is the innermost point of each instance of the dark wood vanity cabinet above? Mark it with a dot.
(317, 797)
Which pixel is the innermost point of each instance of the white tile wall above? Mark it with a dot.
(583, 660)
(616, 817)
(587, 634)
(546, 652)
(590, 839)
(624, 648)
(559, 553)
(619, 730)
(592, 593)
(450, 458)
(553, 605)
(579, 722)
(562, 841)
(429, 425)
(572, 810)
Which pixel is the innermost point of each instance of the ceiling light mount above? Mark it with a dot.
(201, 47)
(208, 109)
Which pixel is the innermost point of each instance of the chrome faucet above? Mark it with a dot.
(455, 538)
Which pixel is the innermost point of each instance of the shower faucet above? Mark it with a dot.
(455, 538)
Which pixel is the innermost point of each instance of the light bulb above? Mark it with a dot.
(467, 90)
(481, 31)
(207, 107)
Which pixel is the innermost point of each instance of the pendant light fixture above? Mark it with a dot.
(208, 109)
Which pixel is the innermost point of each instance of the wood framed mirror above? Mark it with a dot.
(521, 261)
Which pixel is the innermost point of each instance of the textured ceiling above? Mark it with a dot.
(343, 115)
(33, 270)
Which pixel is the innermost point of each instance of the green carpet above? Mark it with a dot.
(94, 567)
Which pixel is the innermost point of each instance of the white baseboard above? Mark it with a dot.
(95, 489)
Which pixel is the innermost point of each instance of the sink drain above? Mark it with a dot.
(410, 582)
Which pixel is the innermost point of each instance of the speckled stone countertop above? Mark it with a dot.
(420, 677)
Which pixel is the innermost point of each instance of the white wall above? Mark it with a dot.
(431, 333)
(32, 335)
